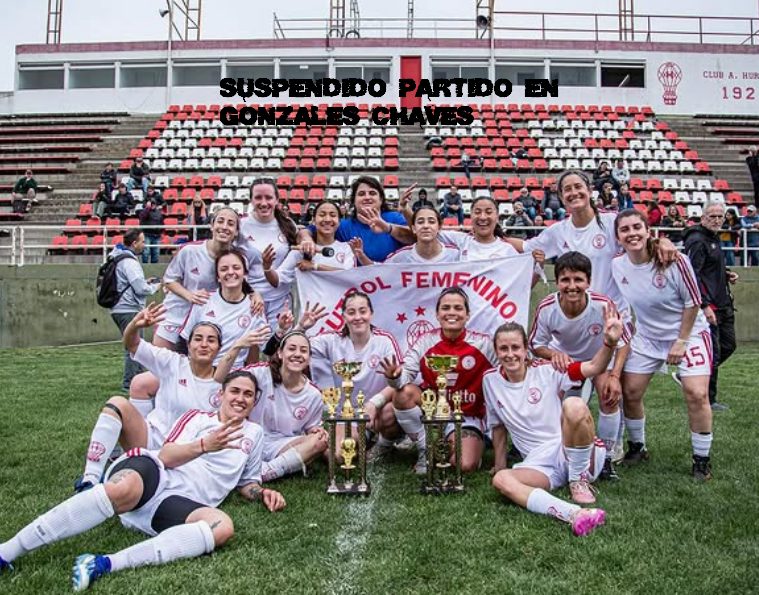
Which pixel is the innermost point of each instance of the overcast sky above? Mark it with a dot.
(109, 20)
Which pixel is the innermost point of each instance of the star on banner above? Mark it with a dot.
(420, 311)
(401, 317)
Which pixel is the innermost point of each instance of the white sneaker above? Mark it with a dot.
(405, 444)
(618, 453)
(420, 467)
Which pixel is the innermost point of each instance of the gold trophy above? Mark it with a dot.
(353, 451)
(437, 415)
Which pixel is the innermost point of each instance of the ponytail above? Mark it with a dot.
(286, 226)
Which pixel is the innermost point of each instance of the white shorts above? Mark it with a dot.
(469, 423)
(156, 438)
(647, 356)
(168, 331)
(273, 308)
(551, 461)
(274, 444)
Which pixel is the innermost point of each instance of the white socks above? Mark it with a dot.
(384, 442)
(578, 461)
(175, 543)
(71, 517)
(410, 421)
(104, 437)
(702, 443)
(608, 427)
(636, 430)
(144, 406)
(541, 502)
(288, 462)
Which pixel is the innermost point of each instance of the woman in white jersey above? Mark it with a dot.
(291, 407)
(191, 276)
(428, 249)
(185, 382)
(526, 399)
(229, 308)
(267, 227)
(330, 254)
(670, 329)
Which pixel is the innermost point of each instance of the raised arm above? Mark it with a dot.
(612, 333)
(173, 454)
(146, 318)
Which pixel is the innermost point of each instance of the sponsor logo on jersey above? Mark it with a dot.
(340, 257)
(183, 382)
(565, 246)
(96, 451)
(594, 329)
(211, 314)
(215, 399)
(195, 271)
(468, 362)
(625, 281)
(299, 413)
(243, 321)
(659, 281)
(373, 361)
(599, 241)
(246, 445)
(534, 395)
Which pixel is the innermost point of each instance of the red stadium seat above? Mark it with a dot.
(85, 209)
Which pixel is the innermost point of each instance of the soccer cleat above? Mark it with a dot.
(719, 407)
(87, 569)
(618, 453)
(405, 444)
(582, 492)
(5, 566)
(420, 467)
(702, 468)
(676, 378)
(379, 452)
(608, 473)
(587, 519)
(82, 485)
(636, 453)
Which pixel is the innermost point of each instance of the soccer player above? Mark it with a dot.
(171, 495)
(567, 327)
(475, 356)
(229, 308)
(526, 399)
(428, 249)
(670, 329)
(291, 407)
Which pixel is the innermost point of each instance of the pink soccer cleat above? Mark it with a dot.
(587, 519)
(582, 492)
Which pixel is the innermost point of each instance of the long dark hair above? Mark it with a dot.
(588, 185)
(275, 363)
(652, 244)
(453, 291)
(246, 288)
(286, 224)
(372, 183)
(344, 332)
(498, 230)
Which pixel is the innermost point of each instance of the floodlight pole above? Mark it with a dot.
(169, 65)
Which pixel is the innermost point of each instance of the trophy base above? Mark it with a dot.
(442, 489)
(349, 489)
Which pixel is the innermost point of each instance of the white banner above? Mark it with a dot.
(404, 295)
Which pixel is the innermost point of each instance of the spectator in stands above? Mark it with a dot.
(602, 175)
(108, 177)
(714, 281)
(197, 215)
(345, 210)
(538, 222)
(102, 201)
(728, 237)
(673, 218)
(286, 210)
(433, 141)
(551, 206)
(606, 194)
(154, 194)
(466, 164)
(752, 160)
(308, 216)
(517, 154)
(139, 175)
(453, 205)
(751, 224)
(134, 289)
(613, 205)
(529, 202)
(123, 202)
(620, 174)
(24, 193)
(653, 214)
(518, 218)
(151, 219)
(624, 197)
(422, 201)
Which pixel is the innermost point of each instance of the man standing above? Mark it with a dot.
(453, 206)
(151, 218)
(24, 193)
(753, 167)
(703, 248)
(751, 224)
(133, 290)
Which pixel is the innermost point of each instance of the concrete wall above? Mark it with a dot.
(55, 305)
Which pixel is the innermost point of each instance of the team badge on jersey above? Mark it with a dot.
(373, 361)
(96, 451)
(299, 413)
(246, 445)
(599, 241)
(215, 399)
(243, 321)
(659, 281)
(468, 362)
(340, 257)
(594, 329)
(534, 395)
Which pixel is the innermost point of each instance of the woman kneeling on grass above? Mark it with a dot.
(171, 497)
(555, 434)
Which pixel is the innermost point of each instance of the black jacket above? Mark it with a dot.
(703, 248)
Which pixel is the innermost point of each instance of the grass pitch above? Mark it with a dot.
(664, 534)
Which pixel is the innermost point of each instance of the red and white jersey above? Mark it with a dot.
(253, 239)
(193, 268)
(234, 320)
(328, 348)
(598, 243)
(282, 413)
(580, 337)
(471, 249)
(209, 478)
(530, 410)
(343, 258)
(409, 255)
(475, 356)
(659, 297)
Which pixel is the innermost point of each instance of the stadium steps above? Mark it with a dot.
(414, 160)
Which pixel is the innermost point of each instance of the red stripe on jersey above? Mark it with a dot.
(186, 318)
(180, 424)
(598, 442)
(574, 371)
(544, 303)
(399, 250)
(707, 338)
(690, 282)
(397, 349)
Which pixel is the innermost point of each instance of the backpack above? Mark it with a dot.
(106, 291)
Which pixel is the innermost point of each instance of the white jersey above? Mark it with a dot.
(409, 255)
(659, 298)
(530, 410)
(179, 389)
(580, 337)
(209, 478)
(253, 239)
(471, 249)
(598, 243)
(234, 320)
(282, 413)
(343, 258)
(328, 348)
(193, 268)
